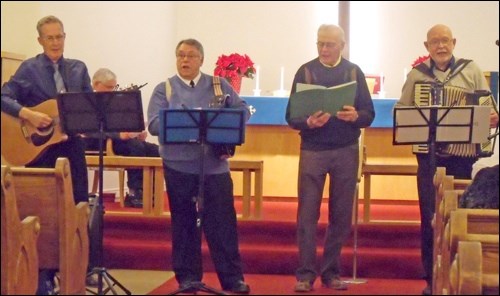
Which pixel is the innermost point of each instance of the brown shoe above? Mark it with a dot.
(335, 283)
(303, 286)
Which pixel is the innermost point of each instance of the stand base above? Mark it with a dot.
(197, 287)
(104, 276)
(355, 281)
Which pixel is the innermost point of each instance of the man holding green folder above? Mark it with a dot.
(329, 104)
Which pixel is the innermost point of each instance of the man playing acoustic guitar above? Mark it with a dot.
(28, 99)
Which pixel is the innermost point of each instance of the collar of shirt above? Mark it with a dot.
(336, 64)
(195, 80)
(450, 64)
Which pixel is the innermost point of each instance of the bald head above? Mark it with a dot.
(439, 30)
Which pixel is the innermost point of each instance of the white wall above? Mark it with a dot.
(388, 36)
(137, 39)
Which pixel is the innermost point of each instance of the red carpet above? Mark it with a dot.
(268, 246)
(283, 285)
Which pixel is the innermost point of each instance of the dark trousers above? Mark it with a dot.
(135, 147)
(460, 168)
(73, 149)
(218, 221)
(341, 165)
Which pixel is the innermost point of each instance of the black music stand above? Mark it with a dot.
(440, 124)
(100, 112)
(201, 126)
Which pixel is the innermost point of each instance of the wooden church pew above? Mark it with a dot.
(474, 270)
(63, 242)
(19, 239)
(466, 225)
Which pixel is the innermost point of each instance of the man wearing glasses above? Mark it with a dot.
(192, 89)
(329, 145)
(444, 69)
(37, 80)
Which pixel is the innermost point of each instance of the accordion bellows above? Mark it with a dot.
(455, 96)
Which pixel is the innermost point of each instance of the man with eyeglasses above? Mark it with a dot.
(329, 145)
(444, 69)
(37, 80)
(192, 89)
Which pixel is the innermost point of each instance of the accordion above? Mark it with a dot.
(428, 94)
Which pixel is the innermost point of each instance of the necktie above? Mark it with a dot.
(191, 83)
(58, 79)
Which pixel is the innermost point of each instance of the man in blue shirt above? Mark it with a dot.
(34, 83)
(192, 89)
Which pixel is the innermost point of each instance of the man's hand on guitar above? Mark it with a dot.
(37, 119)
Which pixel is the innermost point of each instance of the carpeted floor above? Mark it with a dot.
(265, 284)
(268, 246)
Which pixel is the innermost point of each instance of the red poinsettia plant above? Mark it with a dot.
(420, 60)
(234, 65)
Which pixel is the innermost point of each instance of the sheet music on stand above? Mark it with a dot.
(440, 124)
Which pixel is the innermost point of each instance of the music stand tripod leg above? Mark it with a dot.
(354, 279)
(98, 226)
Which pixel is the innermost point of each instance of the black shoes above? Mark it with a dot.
(239, 288)
(135, 200)
(427, 290)
(187, 287)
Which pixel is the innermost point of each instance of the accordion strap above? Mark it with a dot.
(456, 68)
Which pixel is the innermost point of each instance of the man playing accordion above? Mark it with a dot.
(453, 77)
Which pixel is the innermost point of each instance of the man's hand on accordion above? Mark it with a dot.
(493, 118)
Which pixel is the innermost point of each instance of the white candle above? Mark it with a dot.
(282, 78)
(381, 82)
(257, 71)
(405, 73)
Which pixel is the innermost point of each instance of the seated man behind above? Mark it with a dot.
(124, 143)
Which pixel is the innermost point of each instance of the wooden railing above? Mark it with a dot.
(153, 180)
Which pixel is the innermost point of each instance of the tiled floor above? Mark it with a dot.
(138, 282)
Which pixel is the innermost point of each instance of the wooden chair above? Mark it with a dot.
(121, 172)
(63, 243)
(19, 239)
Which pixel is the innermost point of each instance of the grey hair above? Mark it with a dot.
(50, 19)
(330, 27)
(192, 42)
(103, 75)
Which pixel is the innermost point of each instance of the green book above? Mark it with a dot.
(311, 98)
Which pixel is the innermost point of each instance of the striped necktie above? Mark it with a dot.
(58, 79)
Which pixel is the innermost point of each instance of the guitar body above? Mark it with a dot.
(22, 143)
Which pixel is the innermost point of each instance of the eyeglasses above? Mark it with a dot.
(181, 56)
(54, 38)
(437, 42)
(326, 44)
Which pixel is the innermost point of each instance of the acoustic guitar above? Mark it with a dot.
(22, 142)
